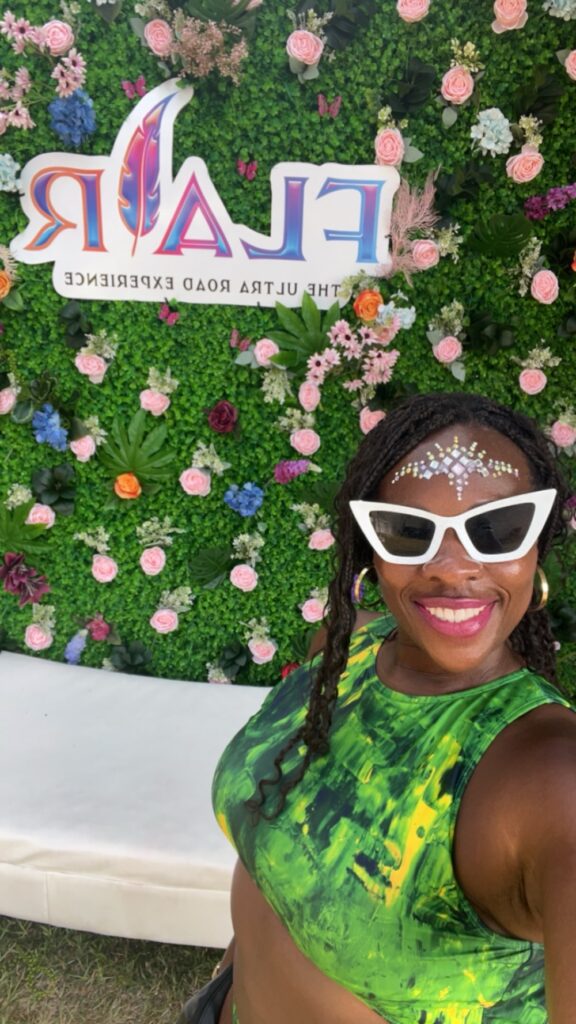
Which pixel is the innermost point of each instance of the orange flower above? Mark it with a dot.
(126, 485)
(5, 284)
(366, 304)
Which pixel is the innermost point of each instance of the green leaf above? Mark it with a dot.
(23, 411)
(136, 429)
(330, 317)
(154, 441)
(289, 320)
(210, 566)
(323, 493)
(14, 300)
(412, 154)
(310, 313)
(15, 535)
(501, 235)
(449, 116)
(458, 370)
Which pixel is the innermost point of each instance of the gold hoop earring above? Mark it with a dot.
(358, 588)
(357, 591)
(544, 587)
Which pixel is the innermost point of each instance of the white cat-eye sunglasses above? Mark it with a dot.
(496, 531)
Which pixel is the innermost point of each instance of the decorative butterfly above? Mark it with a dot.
(236, 341)
(247, 170)
(327, 108)
(132, 89)
(169, 316)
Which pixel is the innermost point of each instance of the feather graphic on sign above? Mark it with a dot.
(139, 185)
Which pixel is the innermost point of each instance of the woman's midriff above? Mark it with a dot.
(274, 983)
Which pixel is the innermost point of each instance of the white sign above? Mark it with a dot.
(120, 227)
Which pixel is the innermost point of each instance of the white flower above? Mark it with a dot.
(492, 133)
(206, 457)
(565, 9)
(18, 494)
(179, 600)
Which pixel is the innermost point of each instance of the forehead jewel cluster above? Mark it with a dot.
(455, 462)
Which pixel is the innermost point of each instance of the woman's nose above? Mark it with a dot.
(451, 561)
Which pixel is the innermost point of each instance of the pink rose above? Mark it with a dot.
(305, 441)
(563, 435)
(93, 367)
(387, 334)
(304, 47)
(165, 620)
(309, 395)
(41, 514)
(8, 398)
(37, 638)
(244, 577)
(369, 418)
(525, 166)
(158, 35)
(154, 401)
(321, 540)
(262, 651)
(448, 349)
(510, 14)
(544, 287)
(389, 146)
(425, 253)
(457, 85)
(83, 447)
(264, 350)
(196, 482)
(104, 569)
(312, 610)
(58, 36)
(152, 561)
(532, 381)
(570, 64)
(413, 10)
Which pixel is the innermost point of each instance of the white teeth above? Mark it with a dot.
(456, 614)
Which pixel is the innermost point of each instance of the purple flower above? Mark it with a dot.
(570, 190)
(536, 207)
(288, 469)
(557, 199)
(75, 646)
(22, 580)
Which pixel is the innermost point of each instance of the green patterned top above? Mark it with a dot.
(358, 864)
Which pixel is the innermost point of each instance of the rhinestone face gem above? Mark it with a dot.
(457, 464)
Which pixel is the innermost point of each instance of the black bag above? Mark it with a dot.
(205, 1006)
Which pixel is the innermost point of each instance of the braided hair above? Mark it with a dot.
(392, 439)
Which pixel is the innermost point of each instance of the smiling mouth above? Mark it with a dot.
(456, 621)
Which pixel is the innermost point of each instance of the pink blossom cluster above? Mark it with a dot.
(56, 39)
(199, 47)
(14, 113)
(70, 73)
(365, 346)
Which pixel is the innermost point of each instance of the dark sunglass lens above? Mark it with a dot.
(403, 535)
(502, 530)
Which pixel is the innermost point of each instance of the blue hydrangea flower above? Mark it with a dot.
(8, 173)
(75, 646)
(245, 500)
(406, 315)
(492, 133)
(73, 118)
(47, 428)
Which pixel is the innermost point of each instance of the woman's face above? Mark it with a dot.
(428, 641)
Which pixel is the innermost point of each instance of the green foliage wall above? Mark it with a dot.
(272, 117)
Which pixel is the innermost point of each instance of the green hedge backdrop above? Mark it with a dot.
(271, 117)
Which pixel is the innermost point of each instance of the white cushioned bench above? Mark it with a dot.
(106, 823)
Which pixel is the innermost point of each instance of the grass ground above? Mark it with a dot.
(57, 976)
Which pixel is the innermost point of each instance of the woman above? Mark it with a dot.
(404, 806)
